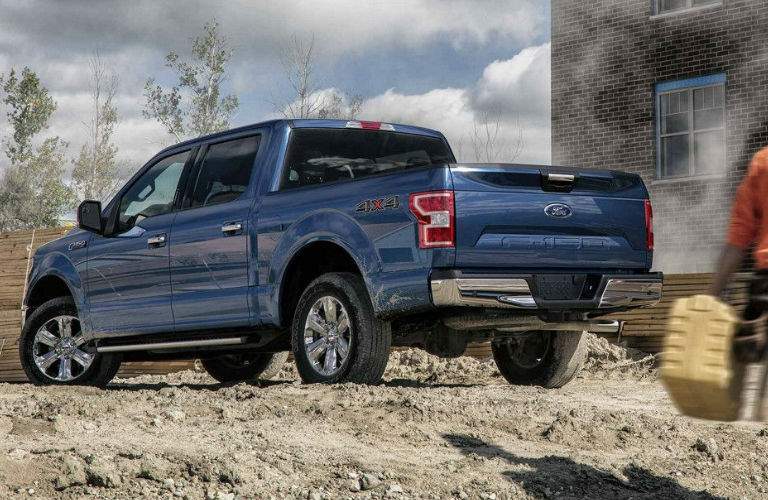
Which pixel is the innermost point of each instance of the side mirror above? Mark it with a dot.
(89, 216)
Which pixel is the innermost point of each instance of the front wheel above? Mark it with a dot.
(335, 335)
(547, 359)
(54, 351)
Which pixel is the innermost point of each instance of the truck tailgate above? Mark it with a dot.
(510, 216)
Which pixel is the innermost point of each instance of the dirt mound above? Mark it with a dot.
(606, 360)
(420, 366)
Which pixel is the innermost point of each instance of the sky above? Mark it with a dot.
(443, 64)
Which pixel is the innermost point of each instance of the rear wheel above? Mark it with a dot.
(335, 335)
(54, 351)
(242, 367)
(547, 359)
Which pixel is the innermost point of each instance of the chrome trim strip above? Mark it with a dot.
(516, 294)
(509, 293)
(621, 292)
(158, 346)
(493, 285)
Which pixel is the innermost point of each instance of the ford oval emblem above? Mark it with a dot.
(558, 210)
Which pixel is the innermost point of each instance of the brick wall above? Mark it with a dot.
(607, 56)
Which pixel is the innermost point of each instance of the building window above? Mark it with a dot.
(691, 127)
(665, 6)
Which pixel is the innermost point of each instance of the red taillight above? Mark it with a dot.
(648, 225)
(437, 218)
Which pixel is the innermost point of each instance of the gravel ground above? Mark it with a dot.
(434, 429)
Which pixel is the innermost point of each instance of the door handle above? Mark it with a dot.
(156, 241)
(232, 228)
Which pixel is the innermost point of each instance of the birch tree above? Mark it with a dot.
(33, 193)
(195, 105)
(95, 170)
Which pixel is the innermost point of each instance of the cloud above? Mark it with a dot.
(516, 91)
(518, 85)
(257, 26)
(56, 39)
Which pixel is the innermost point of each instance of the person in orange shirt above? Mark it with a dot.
(749, 229)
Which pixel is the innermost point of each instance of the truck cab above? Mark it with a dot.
(337, 240)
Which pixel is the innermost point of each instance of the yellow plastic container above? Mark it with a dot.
(698, 368)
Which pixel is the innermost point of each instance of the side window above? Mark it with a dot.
(225, 172)
(153, 193)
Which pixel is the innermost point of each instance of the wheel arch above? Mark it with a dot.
(314, 258)
(55, 276)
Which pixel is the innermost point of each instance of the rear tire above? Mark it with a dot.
(52, 350)
(335, 335)
(550, 359)
(243, 367)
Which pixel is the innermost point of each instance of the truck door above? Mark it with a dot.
(127, 274)
(210, 244)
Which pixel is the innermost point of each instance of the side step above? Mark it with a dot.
(162, 346)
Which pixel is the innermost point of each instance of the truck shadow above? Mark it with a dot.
(563, 477)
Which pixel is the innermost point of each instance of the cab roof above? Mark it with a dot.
(311, 123)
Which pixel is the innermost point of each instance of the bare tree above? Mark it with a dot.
(307, 100)
(195, 106)
(492, 141)
(297, 58)
(95, 172)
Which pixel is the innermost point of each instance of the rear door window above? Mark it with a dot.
(321, 156)
(225, 172)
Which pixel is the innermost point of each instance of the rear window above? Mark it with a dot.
(320, 156)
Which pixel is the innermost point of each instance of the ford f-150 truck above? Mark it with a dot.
(336, 240)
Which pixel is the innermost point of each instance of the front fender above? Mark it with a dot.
(58, 265)
(330, 226)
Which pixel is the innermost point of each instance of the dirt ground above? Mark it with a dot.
(434, 429)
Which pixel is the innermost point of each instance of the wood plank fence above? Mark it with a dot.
(642, 328)
(15, 249)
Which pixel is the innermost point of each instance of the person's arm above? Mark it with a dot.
(729, 262)
(743, 227)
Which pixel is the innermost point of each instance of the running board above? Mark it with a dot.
(162, 346)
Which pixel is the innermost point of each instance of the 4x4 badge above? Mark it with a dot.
(76, 245)
(378, 204)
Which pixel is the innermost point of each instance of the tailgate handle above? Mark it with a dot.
(561, 178)
(560, 183)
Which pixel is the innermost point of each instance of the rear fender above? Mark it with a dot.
(327, 225)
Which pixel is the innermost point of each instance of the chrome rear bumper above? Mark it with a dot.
(614, 292)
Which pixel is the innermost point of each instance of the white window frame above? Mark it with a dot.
(657, 12)
(692, 131)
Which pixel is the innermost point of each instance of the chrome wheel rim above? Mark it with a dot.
(57, 351)
(327, 335)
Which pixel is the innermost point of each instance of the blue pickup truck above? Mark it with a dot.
(337, 240)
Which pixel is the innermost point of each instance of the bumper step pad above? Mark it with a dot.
(698, 368)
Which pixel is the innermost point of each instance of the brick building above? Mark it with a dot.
(674, 90)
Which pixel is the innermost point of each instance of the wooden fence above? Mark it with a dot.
(642, 328)
(15, 249)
